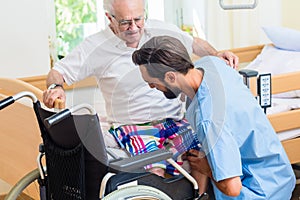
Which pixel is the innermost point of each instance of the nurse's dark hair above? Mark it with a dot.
(162, 54)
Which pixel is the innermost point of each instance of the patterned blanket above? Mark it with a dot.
(176, 136)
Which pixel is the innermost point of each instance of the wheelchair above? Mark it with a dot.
(77, 165)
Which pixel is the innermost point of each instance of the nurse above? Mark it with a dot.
(242, 155)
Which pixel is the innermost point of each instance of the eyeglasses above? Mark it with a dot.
(126, 23)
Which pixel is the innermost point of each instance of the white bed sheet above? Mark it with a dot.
(283, 104)
(277, 61)
(286, 135)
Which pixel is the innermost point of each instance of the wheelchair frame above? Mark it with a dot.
(118, 164)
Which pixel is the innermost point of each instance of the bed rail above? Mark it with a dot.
(284, 121)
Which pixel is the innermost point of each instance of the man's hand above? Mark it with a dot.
(55, 81)
(50, 95)
(230, 58)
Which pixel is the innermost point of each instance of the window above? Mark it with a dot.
(75, 20)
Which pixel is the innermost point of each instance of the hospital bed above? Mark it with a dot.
(287, 121)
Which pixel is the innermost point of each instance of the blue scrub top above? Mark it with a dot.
(236, 135)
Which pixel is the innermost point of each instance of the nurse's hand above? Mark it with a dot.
(198, 162)
(231, 186)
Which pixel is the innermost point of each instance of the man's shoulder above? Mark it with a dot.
(154, 22)
(100, 35)
(156, 28)
(214, 63)
(157, 24)
(104, 37)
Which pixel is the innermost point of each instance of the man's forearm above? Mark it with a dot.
(54, 77)
(203, 48)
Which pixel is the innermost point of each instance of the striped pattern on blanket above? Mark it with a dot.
(177, 136)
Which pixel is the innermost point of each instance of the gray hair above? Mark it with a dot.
(107, 5)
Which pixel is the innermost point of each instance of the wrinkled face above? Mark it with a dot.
(127, 20)
(169, 92)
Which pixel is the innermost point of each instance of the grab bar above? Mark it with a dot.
(238, 6)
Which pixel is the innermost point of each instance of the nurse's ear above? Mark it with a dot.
(170, 77)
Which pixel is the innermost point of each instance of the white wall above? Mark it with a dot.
(26, 25)
(224, 29)
(187, 12)
(23, 38)
(290, 13)
(156, 9)
(227, 29)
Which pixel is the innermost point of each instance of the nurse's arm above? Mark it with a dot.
(230, 186)
(198, 162)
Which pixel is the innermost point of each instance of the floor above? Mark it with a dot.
(4, 187)
(296, 193)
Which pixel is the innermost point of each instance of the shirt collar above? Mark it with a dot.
(120, 44)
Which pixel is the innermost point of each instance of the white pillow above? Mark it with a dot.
(277, 61)
(283, 38)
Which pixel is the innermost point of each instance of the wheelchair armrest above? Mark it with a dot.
(116, 153)
(139, 161)
(248, 76)
(247, 73)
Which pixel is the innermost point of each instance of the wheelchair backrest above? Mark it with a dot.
(76, 156)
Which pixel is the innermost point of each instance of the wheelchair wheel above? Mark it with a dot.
(137, 192)
(25, 188)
